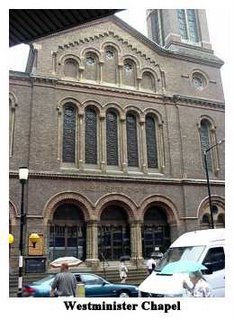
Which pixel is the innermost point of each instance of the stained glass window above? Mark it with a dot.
(188, 24)
(112, 138)
(69, 133)
(205, 142)
(132, 143)
(90, 136)
(182, 23)
(151, 142)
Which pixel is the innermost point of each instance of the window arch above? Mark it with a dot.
(91, 134)
(205, 136)
(148, 81)
(69, 133)
(112, 147)
(151, 140)
(91, 66)
(129, 73)
(110, 68)
(132, 139)
(71, 68)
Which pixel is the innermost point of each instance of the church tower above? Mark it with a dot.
(177, 29)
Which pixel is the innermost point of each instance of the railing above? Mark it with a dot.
(104, 262)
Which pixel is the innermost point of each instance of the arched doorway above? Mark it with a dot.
(155, 231)
(113, 233)
(67, 234)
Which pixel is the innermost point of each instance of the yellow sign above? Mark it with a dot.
(36, 249)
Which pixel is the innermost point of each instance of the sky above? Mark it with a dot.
(220, 23)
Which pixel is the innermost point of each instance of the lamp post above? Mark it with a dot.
(23, 177)
(208, 180)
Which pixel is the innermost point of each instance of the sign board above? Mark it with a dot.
(35, 265)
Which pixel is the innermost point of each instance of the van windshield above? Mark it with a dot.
(180, 253)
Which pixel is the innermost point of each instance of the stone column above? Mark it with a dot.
(81, 140)
(92, 244)
(143, 148)
(123, 144)
(136, 243)
(102, 144)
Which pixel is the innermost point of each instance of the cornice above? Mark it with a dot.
(56, 82)
(120, 178)
(197, 101)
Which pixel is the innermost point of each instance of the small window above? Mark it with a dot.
(90, 60)
(198, 81)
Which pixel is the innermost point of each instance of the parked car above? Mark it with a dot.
(204, 246)
(95, 286)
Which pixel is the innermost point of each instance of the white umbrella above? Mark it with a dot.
(71, 261)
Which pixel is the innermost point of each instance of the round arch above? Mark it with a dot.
(119, 200)
(204, 208)
(165, 203)
(67, 197)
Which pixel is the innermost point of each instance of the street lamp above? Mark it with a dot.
(23, 177)
(208, 180)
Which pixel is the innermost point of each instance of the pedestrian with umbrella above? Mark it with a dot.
(199, 287)
(64, 284)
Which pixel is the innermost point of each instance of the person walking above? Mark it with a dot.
(200, 286)
(123, 271)
(151, 264)
(64, 283)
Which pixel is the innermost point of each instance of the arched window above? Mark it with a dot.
(112, 138)
(132, 140)
(187, 21)
(69, 133)
(110, 68)
(205, 221)
(71, 68)
(151, 141)
(205, 136)
(90, 135)
(91, 67)
(129, 73)
(148, 82)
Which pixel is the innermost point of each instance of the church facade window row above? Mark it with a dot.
(94, 140)
(110, 67)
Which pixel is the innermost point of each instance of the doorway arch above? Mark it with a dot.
(67, 232)
(155, 230)
(113, 233)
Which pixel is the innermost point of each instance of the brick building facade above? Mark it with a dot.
(112, 127)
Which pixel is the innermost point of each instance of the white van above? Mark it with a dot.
(204, 246)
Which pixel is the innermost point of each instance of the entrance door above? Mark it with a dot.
(155, 232)
(67, 233)
(113, 242)
(113, 234)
